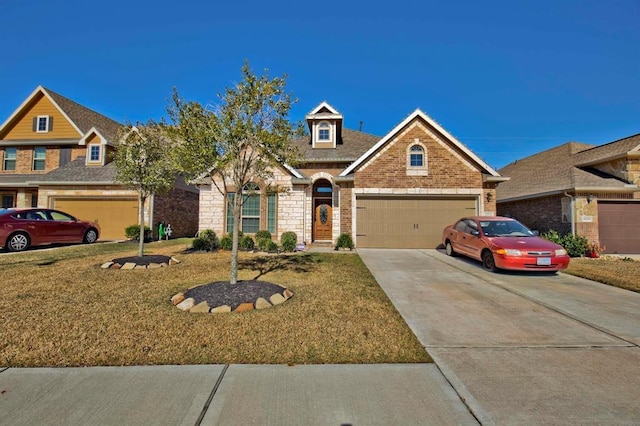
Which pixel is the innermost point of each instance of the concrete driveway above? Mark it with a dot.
(520, 348)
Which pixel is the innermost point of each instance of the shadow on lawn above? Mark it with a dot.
(264, 264)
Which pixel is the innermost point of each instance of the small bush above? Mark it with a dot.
(289, 240)
(206, 240)
(344, 241)
(272, 247)
(575, 245)
(263, 234)
(132, 232)
(226, 242)
(247, 243)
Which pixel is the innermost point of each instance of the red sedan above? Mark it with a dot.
(23, 228)
(503, 243)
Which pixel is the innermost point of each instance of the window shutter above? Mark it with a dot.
(35, 123)
(50, 123)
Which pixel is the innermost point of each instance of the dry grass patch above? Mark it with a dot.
(610, 270)
(60, 309)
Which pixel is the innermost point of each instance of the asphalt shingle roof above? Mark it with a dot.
(558, 169)
(86, 118)
(353, 145)
(78, 171)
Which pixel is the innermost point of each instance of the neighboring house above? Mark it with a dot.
(398, 191)
(56, 153)
(589, 190)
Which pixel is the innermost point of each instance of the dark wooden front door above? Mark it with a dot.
(322, 220)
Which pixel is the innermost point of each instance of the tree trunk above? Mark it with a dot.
(141, 202)
(237, 208)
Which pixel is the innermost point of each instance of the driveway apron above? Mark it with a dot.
(520, 348)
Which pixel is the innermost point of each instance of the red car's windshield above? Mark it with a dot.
(505, 228)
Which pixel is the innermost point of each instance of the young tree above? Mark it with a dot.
(143, 162)
(242, 138)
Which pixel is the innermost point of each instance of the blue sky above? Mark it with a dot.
(507, 78)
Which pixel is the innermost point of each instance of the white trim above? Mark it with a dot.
(406, 121)
(26, 102)
(93, 130)
(322, 105)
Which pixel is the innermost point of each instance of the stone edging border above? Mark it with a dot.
(133, 265)
(179, 301)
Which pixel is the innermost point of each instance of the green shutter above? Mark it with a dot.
(230, 198)
(271, 213)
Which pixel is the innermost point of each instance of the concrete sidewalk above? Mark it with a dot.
(379, 394)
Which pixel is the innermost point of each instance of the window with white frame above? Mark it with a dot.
(417, 160)
(324, 132)
(39, 156)
(9, 162)
(43, 123)
(94, 153)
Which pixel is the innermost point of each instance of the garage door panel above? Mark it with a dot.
(405, 222)
(112, 214)
(619, 226)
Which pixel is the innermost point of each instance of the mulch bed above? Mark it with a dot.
(144, 260)
(223, 293)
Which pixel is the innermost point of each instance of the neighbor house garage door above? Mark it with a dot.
(619, 226)
(112, 214)
(407, 222)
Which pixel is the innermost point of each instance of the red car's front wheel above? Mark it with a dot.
(488, 261)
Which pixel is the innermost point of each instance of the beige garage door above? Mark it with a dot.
(407, 222)
(112, 214)
(619, 226)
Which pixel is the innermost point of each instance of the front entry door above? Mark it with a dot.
(322, 220)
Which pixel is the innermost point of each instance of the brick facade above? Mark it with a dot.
(541, 214)
(180, 209)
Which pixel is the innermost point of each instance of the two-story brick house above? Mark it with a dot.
(400, 190)
(593, 191)
(57, 153)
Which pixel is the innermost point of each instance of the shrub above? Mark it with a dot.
(226, 242)
(272, 247)
(132, 232)
(289, 240)
(247, 243)
(344, 241)
(263, 234)
(575, 245)
(263, 238)
(206, 240)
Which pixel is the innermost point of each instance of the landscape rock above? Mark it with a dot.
(244, 307)
(186, 304)
(177, 298)
(262, 303)
(224, 309)
(106, 265)
(202, 307)
(128, 265)
(277, 299)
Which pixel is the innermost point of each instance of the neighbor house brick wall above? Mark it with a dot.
(447, 168)
(179, 208)
(541, 214)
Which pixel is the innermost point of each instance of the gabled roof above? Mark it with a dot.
(81, 118)
(418, 114)
(324, 109)
(555, 171)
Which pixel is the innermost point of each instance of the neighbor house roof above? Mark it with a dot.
(81, 118)
(617, 149)
(76, 172)
(554, 171)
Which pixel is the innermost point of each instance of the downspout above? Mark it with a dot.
(571, 209)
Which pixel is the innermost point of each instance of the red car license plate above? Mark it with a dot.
(543, 261)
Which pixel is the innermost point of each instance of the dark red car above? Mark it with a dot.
(503, 243)
(23, 228)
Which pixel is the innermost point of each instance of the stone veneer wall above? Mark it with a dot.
(179, 208)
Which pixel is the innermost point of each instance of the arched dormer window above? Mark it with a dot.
(324, 132)
(417, 160)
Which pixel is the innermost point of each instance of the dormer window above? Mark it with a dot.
(324, 132)
(43, 124)
(94, 153)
